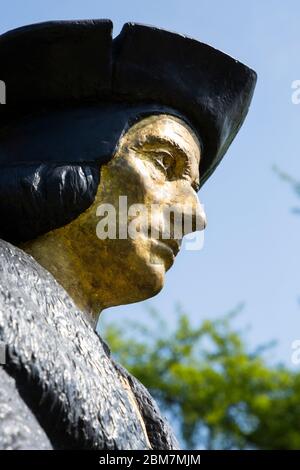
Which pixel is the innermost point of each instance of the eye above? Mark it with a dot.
(164, 160)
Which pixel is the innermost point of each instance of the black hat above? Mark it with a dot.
(73, 87)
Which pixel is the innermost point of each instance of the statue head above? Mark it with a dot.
(99, 173)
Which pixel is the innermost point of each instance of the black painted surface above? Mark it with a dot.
(73, 63)
(61, 372)
(71, 93)
(19, 428)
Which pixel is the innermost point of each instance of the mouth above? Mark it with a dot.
(167, 249)
(172, 244)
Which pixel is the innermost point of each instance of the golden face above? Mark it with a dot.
(156, 163)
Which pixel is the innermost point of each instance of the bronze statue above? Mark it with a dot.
(89, 120)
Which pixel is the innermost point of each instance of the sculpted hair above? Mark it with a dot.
(37, 198)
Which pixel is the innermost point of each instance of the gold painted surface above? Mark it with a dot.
(156, 162)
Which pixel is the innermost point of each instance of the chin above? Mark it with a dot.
(142, 285)
(157, 278)
(149, 282)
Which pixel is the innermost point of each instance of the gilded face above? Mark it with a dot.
(156, 165)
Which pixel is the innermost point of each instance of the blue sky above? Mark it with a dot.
(251, 252)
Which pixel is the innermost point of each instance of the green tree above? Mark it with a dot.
(219, 394)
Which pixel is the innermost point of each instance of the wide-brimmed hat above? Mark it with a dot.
(71, 90)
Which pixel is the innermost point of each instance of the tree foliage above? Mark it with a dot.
(219, 394)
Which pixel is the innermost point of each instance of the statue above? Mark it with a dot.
(89, 120)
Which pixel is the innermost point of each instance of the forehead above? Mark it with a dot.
(166, 128)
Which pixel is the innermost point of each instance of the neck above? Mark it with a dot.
(54, 252)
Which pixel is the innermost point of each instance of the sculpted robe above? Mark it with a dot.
(59, 387)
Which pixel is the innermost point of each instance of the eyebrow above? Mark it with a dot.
(170, 144)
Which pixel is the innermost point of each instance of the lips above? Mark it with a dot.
(173, 244)
(166, 250)
(169, 248)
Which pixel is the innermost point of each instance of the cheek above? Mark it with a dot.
(135, 178)
(137, 265)
(168, 193)
(150, 183)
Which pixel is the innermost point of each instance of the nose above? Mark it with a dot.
(194, 217)
(187, 215)
(183, 214)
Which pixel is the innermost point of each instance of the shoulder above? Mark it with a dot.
(60, 364)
